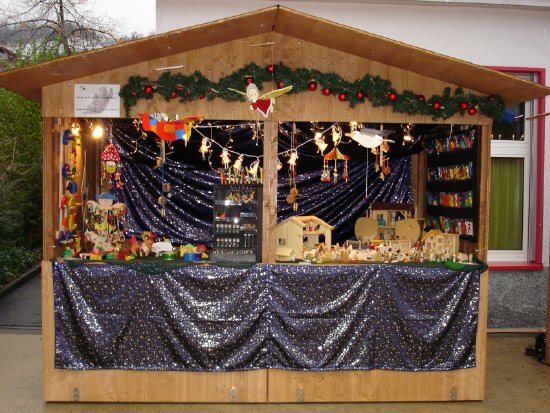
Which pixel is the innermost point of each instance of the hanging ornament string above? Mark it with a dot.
(283, 153)
(293, 194)
(248, 173)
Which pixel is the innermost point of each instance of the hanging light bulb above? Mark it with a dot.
(279, 164)
(98, 132)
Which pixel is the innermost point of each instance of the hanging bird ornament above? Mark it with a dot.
(376, 141)
(168, 129)
(370, 138)
(262, 103)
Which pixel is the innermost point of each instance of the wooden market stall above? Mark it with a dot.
(267, 37)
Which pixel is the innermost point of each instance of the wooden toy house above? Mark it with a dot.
(387, 214)
(440, 244)
(303, 231)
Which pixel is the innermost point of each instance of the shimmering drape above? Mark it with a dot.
(189, 211)
(167, 316)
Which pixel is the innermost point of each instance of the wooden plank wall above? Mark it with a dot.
(222, 59)
(254, 386)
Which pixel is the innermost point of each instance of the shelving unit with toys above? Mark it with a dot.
(452, 183)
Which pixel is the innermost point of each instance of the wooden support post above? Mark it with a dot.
(48, 188)
(484, 188)
(269, 217)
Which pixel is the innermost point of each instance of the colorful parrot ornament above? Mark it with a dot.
(169, 130)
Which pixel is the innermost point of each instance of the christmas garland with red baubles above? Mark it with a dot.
(378, 91)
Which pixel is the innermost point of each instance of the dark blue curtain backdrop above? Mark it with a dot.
(189, 211)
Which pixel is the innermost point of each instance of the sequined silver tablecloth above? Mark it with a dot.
(296, 317)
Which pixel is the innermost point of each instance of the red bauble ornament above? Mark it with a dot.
(392, 96)
(342, 97)
(421, 98)
(179, 87)
(360, 95)
(491, 98)
(187, 93)
(248, 80)
(312, 86)
(326, 91)
(436, 105)
(148, 89)
(174, 94)
(270, 68)
(280, 84)
(463, 105)
(202, 97)
(472, 111)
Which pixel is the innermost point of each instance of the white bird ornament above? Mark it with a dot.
(372, 139)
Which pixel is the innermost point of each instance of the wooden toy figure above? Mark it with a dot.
(262, 103)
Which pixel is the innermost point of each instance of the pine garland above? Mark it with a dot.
(378, 91)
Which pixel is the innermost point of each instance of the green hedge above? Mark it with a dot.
(15, 260)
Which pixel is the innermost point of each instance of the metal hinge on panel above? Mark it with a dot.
(300, 394)
(233, 394)
(454, 393)
(76, 394)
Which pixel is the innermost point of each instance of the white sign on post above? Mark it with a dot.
(96, 101)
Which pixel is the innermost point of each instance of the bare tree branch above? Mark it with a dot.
(70, 23)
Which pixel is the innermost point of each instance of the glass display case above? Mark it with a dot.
(237, 223)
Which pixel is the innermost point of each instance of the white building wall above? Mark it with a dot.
(485, 34)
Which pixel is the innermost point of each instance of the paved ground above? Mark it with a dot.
(516, 383)
(20, 309)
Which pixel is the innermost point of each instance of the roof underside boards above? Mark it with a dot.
(414, 59)
(28, 81)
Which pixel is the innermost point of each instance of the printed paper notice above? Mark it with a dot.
(96, 101)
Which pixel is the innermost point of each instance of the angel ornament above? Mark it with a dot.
(264, 103)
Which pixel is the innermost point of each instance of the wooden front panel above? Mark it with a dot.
(138, 386)
(382, 385)
(259, 386)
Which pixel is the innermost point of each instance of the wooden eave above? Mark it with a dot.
(30, 80)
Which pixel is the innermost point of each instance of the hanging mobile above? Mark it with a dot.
(373, 139)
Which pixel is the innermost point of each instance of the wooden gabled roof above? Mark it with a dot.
(28, 81)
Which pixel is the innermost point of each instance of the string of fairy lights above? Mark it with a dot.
(231, 158)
